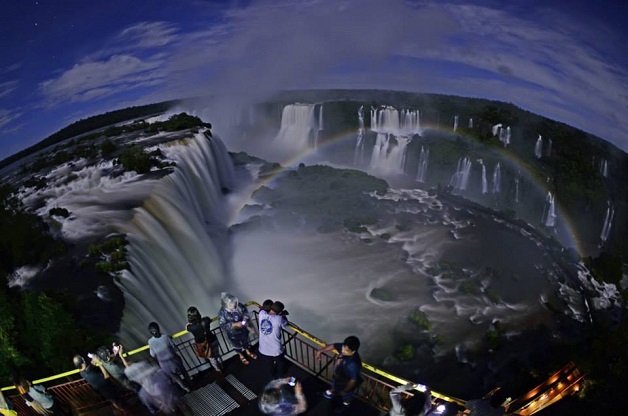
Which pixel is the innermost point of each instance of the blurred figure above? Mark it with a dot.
(418, 404)
(206, 343)
(234, 319)
(5, 409)
(270, 347)
(115, 369)
(36, 397)
(162, 348)
(282, 397)
(157, 393)
(488, 406)
(98, 378)
(347, 369)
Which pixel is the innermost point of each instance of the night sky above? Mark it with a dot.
(61, 61)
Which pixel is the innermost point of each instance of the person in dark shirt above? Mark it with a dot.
(98, 378)
(491, 406)
(162, 348)
(347, 369)
(206, 343)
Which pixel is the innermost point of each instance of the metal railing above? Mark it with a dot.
(300, 349)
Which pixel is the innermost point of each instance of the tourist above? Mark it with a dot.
(491, 406)
(347, 369)
(205, 342)
(282, 397)
(162, 348)
(37, 397)
(266, 305)
(156, 391)
(97, 377)
(270, 347)
(417, 404)
(109, 362)
(234, 321)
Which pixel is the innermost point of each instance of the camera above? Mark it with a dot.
(292, 381)
(90, 355)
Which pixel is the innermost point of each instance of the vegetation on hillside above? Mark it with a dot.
(38, 333)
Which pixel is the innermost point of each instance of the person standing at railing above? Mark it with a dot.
(109, 362)
(205, 342)
(271, 348)
(4, 407)
(234, 321)
(98, 379)
(37, 397)
(162, 348)
(347, 369)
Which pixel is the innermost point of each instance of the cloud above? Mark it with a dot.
(7, 87)
(7, 116)
(148, 35)
(93, 79)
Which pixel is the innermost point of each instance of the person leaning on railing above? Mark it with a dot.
(417, 404)
(4, 407)
(347, 369)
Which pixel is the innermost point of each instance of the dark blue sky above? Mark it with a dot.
(61, 61)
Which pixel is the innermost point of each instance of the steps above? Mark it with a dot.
(220, 397)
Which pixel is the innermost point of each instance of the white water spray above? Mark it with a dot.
(538, 147)
(608, 222)
(460, 178)
(422, 168)
(497, 179)
(549, 214)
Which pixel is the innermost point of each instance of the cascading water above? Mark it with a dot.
(504, 135)
(359, 145)
(549, 213)
(460, 178)
(496, 129)
(389, 153)
(538, 147)
(516, 189)
(604, 168)
(455, 123)
(608, 222)
(394, 131)
(470, 122)
(484, 181)
(299, 128)
(549, 148)
(497, 179)
(422, 168)
(178, 246)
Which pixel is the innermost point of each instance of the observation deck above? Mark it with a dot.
(234, 391)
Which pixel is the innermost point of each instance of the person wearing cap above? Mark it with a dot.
(270, 347)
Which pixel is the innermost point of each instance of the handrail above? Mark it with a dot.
(129, 353)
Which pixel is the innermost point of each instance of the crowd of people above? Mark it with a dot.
(161, 387)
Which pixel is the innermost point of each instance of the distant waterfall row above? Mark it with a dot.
(178, 246)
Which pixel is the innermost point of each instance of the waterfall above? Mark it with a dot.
(484, 181)
(320, 118)
(359, 146)
(504, 135)
(549, 213)
(470, 123)
(604, 168)
(516, 189)
(497, 179)
(455, 123)
(394, 132)
(460, 178)
(538, 147)
(388, 119)
(608, 222)
(423, 159)
(549, 148)
(389, 153)
(299, 129)
(496, 129)
(178, 246)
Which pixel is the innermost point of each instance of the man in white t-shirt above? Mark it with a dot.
(270, 344)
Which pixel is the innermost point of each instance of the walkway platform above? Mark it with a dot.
(235, 392)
